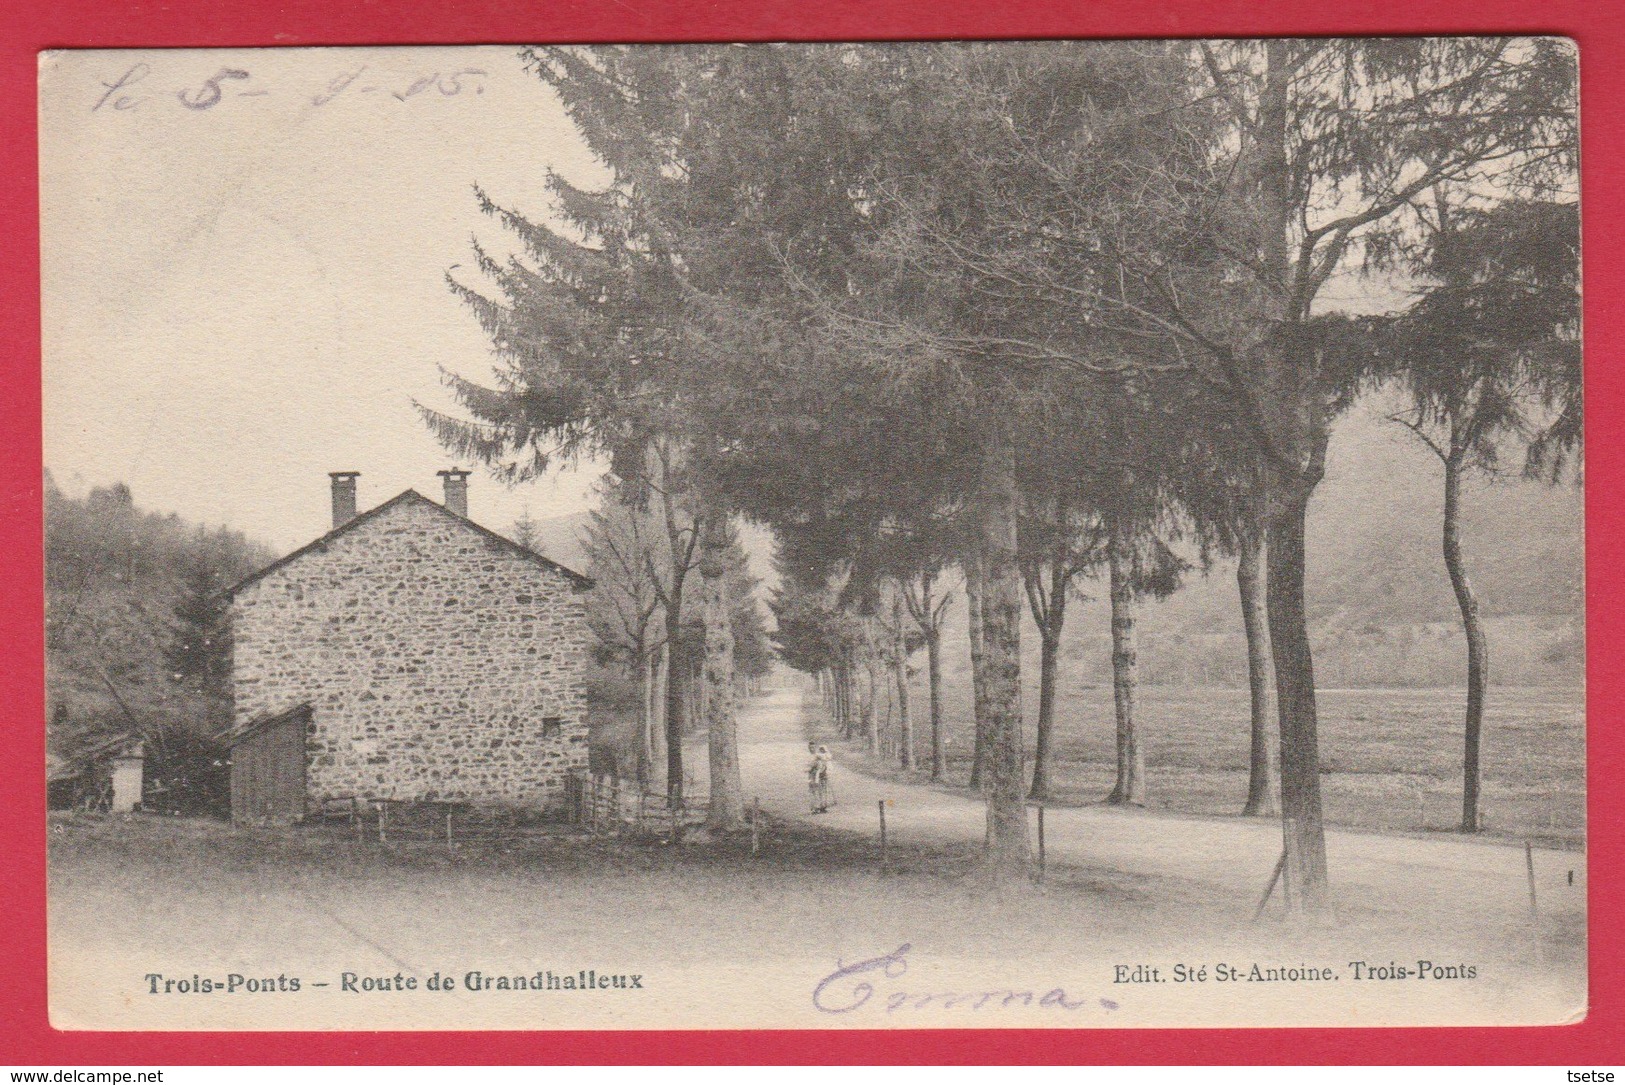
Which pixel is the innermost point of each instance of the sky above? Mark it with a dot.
(244, 256)
(244, 259)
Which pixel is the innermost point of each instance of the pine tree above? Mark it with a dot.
(588, 332)
(629, 559)
(524, 532)
(1335, 142)
(1271, 167)
(1478, 355)
(198, 654)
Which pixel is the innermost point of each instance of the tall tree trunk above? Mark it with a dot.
(1130, 786)
(905, 723)
(973, 607)
(646, 718)
(657, 697)
(843, 696)
(1007, 850)
(867, 698)
(1290, 406)
(888, 733)
(1305, 835)
(721, 694)
(851, 700)
(1261, 781)
(1050, 624)
(676, 703)
(698, 692)
(1049, 652)
(1478, 651)
(933, 656)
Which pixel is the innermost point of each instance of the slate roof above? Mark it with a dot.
(82, 759)
(581, 582)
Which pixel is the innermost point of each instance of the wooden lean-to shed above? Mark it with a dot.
(268, 768)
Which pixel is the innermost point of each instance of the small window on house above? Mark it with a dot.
(552, 726)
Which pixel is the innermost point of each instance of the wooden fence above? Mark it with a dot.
(608, 804)
(600, 803)
(401, 821)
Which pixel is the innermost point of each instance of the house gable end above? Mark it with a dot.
(366, 524)
(439, 661)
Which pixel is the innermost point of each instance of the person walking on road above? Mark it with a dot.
(823, 798)
(818, 778)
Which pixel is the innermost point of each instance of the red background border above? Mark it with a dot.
(28, 26)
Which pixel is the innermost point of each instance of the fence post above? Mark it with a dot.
(1534, 906)
(448, 829)
(1289, 833)
(1280, 866)
(1529, 865)
(881, 804)
(383, 819)
(755, 824)
(1040, 843)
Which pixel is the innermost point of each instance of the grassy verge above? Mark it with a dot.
(164, 883)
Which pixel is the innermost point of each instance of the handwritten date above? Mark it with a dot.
(137, 87)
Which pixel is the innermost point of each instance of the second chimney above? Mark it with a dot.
(343, 496)
(456, 481)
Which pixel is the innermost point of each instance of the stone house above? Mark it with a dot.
(408, 654)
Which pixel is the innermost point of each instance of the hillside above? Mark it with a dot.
(558, 538)
(115, 575)
(1380, 604)
(1381, 609)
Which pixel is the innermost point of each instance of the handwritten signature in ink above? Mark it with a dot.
(122, 94)
(852, 986)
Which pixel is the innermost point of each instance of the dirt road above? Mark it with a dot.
(1370, 873)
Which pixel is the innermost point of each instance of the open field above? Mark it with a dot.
(1391, 759)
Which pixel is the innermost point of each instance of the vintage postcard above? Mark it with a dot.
(1030, 534)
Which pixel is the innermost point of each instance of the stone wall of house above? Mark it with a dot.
(438, 663)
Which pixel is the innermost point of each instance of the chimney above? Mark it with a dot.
(343, 496)
(456, 490)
